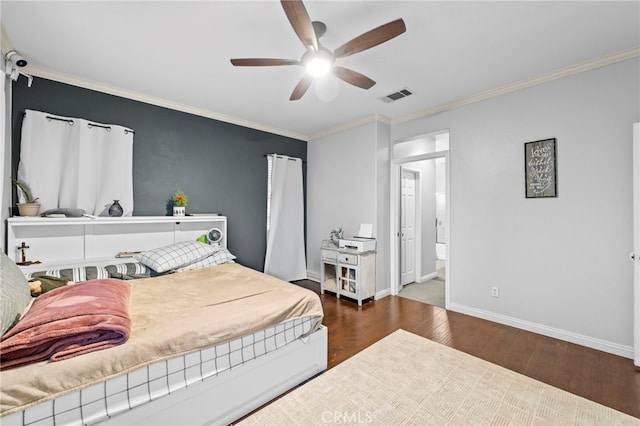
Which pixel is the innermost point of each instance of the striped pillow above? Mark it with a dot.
(77, 274)
(128, 271)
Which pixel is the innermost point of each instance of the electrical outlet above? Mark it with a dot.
(495, 292)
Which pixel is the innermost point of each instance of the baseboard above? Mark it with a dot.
(568, 336)
(429, 277)
(383, 293)
(313, 276)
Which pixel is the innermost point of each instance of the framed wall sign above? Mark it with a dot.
(540, 169)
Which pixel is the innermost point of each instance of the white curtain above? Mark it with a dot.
(5, 149)
(285, 256)
(74, 163)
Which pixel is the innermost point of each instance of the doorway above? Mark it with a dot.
(419, 219)
(409, 202)
(422, 269)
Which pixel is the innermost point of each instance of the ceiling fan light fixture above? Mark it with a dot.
(318, 67)
(318, 63)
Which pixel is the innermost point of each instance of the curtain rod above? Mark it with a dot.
(280, 156)
(90, 125)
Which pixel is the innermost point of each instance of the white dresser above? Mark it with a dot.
(348, 272)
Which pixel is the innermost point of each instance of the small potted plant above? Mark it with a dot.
(30, 207)
(179, 203)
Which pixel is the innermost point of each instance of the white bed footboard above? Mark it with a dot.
(227, 397)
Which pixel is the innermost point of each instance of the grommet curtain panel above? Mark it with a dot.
(285, 257)
(75, 163)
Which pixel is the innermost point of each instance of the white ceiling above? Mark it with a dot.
(177, 52)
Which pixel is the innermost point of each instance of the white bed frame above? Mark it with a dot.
(227, 397)
(221, 399)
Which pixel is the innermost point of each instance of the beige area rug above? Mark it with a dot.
(407, 379)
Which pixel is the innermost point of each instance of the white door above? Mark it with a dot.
(408, 227)
(636, 242)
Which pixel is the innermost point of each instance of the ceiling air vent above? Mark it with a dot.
(397, 95)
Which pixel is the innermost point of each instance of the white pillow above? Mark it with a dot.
(222, 255)
(175, 255)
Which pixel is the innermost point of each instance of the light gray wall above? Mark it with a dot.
(561, 263)
(383, 137)
(416, 146)
(348, 184)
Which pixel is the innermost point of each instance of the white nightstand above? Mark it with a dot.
(348, 272)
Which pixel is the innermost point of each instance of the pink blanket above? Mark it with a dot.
(69, 321)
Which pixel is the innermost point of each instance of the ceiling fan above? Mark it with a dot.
(319, 60)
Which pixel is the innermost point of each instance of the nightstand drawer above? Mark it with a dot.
(329, 255)
(349, 259)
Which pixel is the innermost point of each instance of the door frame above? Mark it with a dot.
(394, 218)
(417, 252)
(636, 244)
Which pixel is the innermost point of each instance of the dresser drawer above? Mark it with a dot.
(350, 259)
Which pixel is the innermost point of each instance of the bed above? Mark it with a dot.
(183, 362)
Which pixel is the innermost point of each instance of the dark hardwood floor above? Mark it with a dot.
(601, 377)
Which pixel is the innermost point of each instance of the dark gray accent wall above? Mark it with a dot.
(220, 166)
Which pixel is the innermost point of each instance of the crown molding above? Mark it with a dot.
(129, 94)
(602, 61)
(610, 59)
(350, 125)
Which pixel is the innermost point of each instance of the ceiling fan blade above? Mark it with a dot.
(371, 38)
(353, 77)
(301, 23)
(301, 87)
(263, 62)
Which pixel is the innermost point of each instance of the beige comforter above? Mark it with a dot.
(172, 314)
